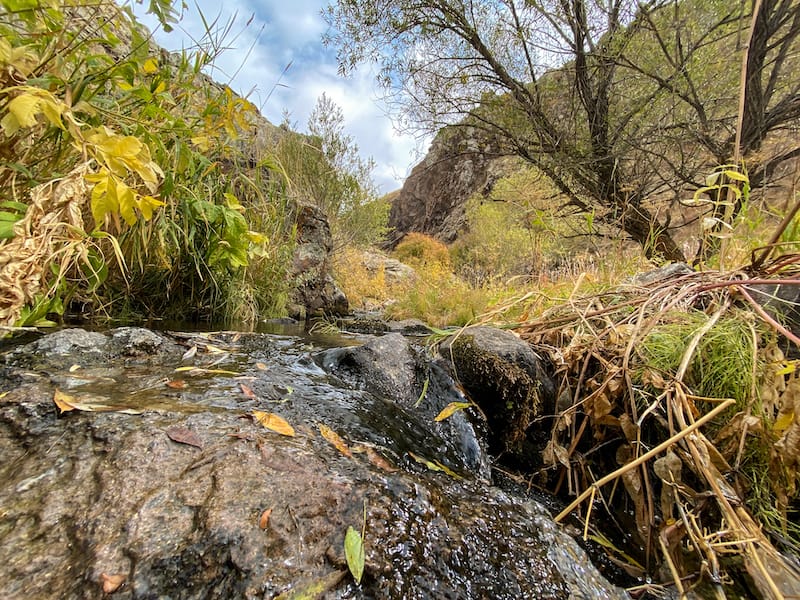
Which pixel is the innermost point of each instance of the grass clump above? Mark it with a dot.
(723, 364)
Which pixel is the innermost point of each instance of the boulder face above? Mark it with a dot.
(509, 382)
(460, 163)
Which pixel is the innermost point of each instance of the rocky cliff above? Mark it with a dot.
(460, 163)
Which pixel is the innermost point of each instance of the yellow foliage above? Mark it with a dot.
(26, 106)
(419, 249)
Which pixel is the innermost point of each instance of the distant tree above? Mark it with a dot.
(618, 102)
(328, 171)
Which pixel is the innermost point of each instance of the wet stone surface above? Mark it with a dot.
(93, 497)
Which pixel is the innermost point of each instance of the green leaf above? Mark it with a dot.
(354, 553)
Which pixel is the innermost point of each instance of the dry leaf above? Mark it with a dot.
(111, 583)
(248, 391)
(74, 368)
(182, 435)
(177, 384)
(274, 423)
(451, 409)
(190, 353)
(66, 403)
(263, 521)
(379, 461)
(261, 366)
(214, 350)
(334, 438)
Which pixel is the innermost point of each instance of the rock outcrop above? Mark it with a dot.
(314, 292)
(460, 163)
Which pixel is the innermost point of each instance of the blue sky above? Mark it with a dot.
(283, 33)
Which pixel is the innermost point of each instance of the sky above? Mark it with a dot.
(284, 34)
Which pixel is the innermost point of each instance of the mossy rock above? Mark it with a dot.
(505, 378)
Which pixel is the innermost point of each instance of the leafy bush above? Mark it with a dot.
(124, 184)
(420, 250)
(328, 172)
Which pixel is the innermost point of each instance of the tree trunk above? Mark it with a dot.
(658, 245)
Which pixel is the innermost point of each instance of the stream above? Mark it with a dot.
(143, 464)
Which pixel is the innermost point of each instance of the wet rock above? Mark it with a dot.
(315, 293)
(506, 378)
(253, 514)
(389, 367)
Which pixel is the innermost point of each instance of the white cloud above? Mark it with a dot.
(290, 33)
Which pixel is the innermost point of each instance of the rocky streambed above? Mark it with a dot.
(138, 464)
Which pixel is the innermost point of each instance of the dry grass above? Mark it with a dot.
(672, 441)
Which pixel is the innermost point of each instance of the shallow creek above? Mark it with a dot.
(162, 483)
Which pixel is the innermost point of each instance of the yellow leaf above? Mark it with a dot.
(274, 423)
(160, 88)
(334, 438)
(203, 142)
(451, 409)
(126, 200)
(434, 465)
(146, 205)
(104, 198)
(63, 401)
(150, 66)
(66, 403)
(783, 422)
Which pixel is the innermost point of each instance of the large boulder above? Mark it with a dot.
(460, 163)
(195, 499)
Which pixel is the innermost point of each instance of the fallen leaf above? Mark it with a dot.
(451, 409)
(66, 403)
(379, 461)
(74, 368)
(190, 353)
(263, 521)
(177, 384)
(214, 350)
(274, 423)
(202, 371)
(111, 583)
(434, 465)
(261, 366)
(182, 435)
(248, 391)
(334, 438)
(313, 589)
(354, 553)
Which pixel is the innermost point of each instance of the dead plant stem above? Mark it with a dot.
(645, 457)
